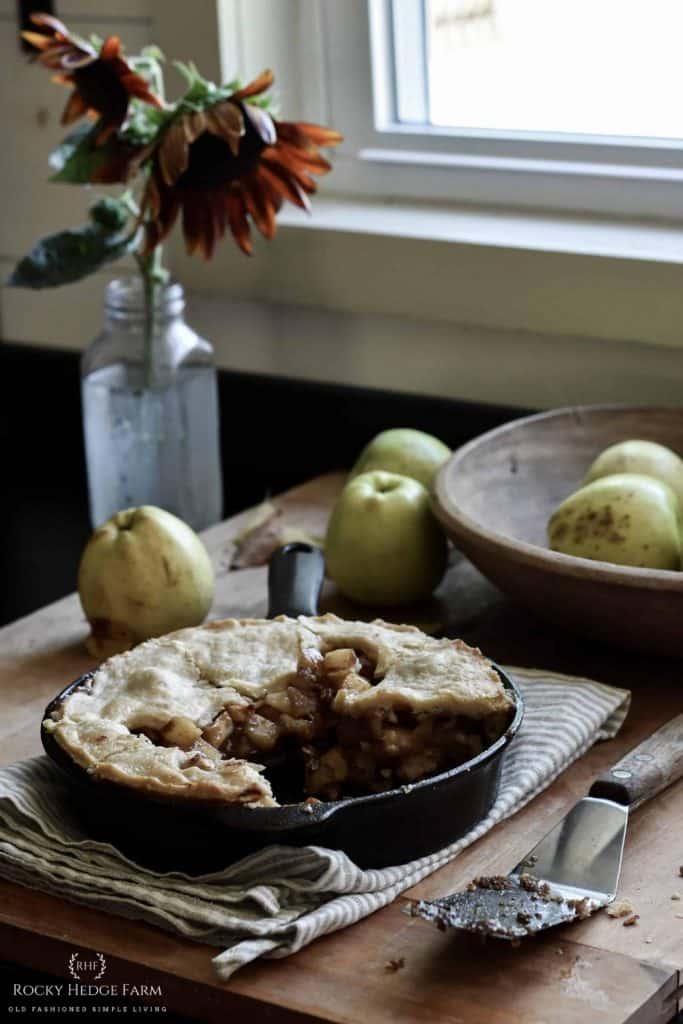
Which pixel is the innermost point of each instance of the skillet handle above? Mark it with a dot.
(650, 767)
(295, 577)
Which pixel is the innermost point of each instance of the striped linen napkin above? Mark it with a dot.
(276, 901)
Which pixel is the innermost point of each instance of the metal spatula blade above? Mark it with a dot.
(570, 873)
(574, 870)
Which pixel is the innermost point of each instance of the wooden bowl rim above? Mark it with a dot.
(449, 513)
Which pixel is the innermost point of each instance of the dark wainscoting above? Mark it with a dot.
(276, 432)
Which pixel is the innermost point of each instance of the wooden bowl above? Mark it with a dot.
(495, 495)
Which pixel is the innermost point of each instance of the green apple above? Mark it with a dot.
(383, 545)
(143, 573)
(640, 457)
(627, 519)
(405, 451)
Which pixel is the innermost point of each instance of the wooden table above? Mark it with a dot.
(595, 971)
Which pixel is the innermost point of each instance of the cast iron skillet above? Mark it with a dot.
(195, 836)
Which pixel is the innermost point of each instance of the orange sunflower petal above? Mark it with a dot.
(260, 208)
(54, 55)
(164, 204)
(108, 129)
(75, 108)
(259, 85)
(174, 150)
(152, 200)
(320, 135)
(135, 85)
(237, 219)
(220, 212)
(280, 181)
(170, 207)
(209, 225)
(278, 164)
(38, 39)
(49, 21)
(192, 221)
(119, 167)
(302, 159)
(142, 154)
(226, 120)
(111, 48)
(273, 197)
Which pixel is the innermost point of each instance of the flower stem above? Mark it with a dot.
(154, 276)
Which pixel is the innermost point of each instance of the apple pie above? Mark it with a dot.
(204, 712)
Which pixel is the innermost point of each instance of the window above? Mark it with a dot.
(588, 67)
(569, 104)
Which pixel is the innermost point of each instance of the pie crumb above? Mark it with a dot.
(629, 921)
(394, 965)
(620, 908)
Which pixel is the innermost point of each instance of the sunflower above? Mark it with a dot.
(103, 80)
(228, 163)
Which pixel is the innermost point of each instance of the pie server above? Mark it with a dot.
(574, 870)
(375, 830)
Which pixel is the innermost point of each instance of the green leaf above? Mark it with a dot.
(70, 255)
(153, 52)
(59, 156)
(77, 158)
(189, 73)
(144, 123)
(109, 213)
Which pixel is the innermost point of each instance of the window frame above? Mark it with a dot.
(387, 159)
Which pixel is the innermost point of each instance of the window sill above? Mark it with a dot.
(569, 234)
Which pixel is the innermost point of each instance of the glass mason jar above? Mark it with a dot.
(150, 411)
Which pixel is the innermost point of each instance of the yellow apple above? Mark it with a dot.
(383, 545)
(405, 451)
(627, 519)
(640, 457)
(143, 573)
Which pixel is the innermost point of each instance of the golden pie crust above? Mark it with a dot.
(203, 712)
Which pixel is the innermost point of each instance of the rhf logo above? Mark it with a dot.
(83, 969)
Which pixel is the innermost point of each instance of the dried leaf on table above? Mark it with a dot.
(264, 532)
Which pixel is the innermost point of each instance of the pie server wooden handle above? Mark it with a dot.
(295, 577)
(647, 769)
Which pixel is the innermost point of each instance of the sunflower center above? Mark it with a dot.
(102, 89)
(212, 162)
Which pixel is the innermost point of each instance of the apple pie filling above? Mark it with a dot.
(358, 707)
(376, 751)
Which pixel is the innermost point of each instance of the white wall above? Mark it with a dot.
(31, 110)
